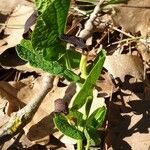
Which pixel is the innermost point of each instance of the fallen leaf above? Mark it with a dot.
(33, 92)
(21, 92)
(8, 96)
(133, 128)
(15, 26)
(42, 123)
(122, 65)
(105, 86)
(7, 6)
(41, 126)
(143, 48)
(133, 17)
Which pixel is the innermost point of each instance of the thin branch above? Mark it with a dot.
(125, 33)
(24, 116)
(89, 25)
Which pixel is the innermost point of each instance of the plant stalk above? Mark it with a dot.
(87, 145)
(79, 145)
(83, 64)
(67, 61)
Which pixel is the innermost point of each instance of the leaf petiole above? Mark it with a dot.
(83, 65)
(79, 145)
(88, 145)
(68, 65)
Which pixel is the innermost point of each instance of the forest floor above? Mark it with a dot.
(123, 31)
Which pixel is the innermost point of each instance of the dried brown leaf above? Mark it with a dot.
(7, 6)
(21, 92)
(41, 126)
(33, 95)
(133, 17)
(105, 86)
(15, 26)
(122, 65)
(133, 128)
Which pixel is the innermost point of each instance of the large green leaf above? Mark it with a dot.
(27, 53)
(50, 25)
(45, 41)
(45, 49)
(55, 16)
(87, 88)
(53, 67)
(70, 130)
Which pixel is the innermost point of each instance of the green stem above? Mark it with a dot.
(79, 145)
(67, 61)
(83, 64)
(87, 145)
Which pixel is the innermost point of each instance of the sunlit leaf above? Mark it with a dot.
(87, 88)
(70, 130)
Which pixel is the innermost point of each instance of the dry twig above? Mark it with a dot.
(24, 116)
(89, 25)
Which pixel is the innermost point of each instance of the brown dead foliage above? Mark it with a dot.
(134, 17)
(124, 84)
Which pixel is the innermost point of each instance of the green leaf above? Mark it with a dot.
(71, 76)
(37, 61)
(45, 41)
(69, 130)
(96, 119)
(42, 4)
(92, 136)
(52, 67)
(55, 16)
(87, 88)
(45, 48)
(74, 58)
(50, 25)
(27, 44)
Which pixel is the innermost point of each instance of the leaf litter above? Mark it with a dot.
(126, 91)
(14, 26)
